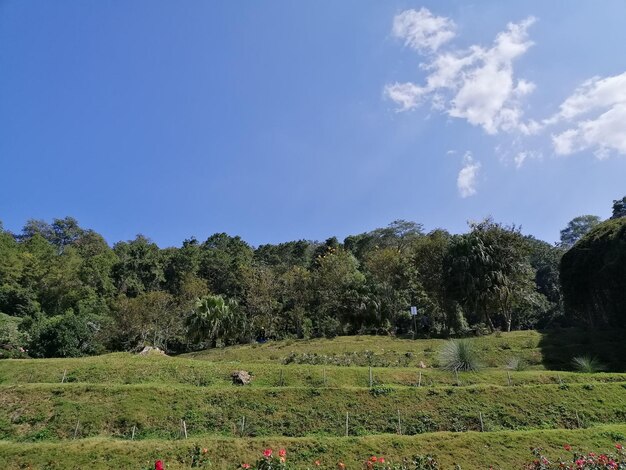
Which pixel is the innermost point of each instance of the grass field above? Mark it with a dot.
(299, 398)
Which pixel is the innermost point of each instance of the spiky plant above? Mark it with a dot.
(459, 355)
(588, 364)
(517, 363)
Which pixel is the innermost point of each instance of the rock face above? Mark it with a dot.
(241, 377)
(150, 350)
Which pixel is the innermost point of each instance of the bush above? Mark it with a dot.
(517, 363)
(459, 355)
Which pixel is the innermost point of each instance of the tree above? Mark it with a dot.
(576, 228)
(140, 266)
(489, 272)
(66, 335)
(152, 318)
(619, 208)
(223, 262)
(337, 293)
(392, 286)
(398, 234)
(593, 276)
(428, 256)
(217, 321)
(262, 294)
(545, 259)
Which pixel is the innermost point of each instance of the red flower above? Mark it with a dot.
(158, 465)
(205, 451)
(341, 466)
(245, 465)
(317, 463)
(282, 452)
(619, 446)
(267, 453)
(567, 447)
(373, 458)
(381, 460)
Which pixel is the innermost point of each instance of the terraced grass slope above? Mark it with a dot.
(124, 411)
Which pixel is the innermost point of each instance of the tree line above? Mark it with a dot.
(65, 292)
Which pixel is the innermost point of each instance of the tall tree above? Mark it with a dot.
(619, 208)
(140, 266)
(489, 272)
(576, 228)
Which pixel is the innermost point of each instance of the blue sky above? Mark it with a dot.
(285, 120)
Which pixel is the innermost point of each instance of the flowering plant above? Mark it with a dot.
(417, 463)
(581, 461)
(269, 461)
(200, 457)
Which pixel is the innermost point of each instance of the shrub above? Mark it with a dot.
(587, 364)
(517, 363)
(459, 355)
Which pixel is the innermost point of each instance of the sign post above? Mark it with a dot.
(414, 315)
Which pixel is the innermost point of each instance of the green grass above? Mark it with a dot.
(540, 349)
(504, 450)
(124, 368)
(299, 398)
(28, 412)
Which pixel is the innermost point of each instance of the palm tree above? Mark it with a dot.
(211, 319)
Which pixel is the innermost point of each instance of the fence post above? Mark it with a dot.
(480, 416)
(371, 379)
(347, 432)
(76, 428)
(419, 380)
(508, 374)
(64, 374)
(132, 436)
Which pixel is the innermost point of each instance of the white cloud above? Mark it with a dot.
(477, 85)
(466, 180)
(423, 31)
(595, 117)
(407, 95)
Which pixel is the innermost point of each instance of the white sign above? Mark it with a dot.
(414, 311)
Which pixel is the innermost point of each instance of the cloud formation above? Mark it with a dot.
(466, 180)
(477, 84)
(422, 30)
(595, 117)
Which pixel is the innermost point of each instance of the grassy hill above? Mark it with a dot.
(82, 413)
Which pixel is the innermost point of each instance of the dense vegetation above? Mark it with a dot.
(65, 292)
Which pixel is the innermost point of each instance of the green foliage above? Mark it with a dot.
(151, 318)
(577, 228)
(619, 208)
(66, 335)
(216, 320)
(488, 272)
(13, 341)
(459, 355)
(137, 293)
(588, 364)
(593, 277)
